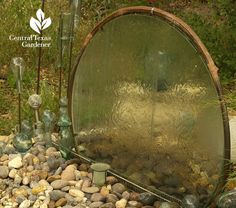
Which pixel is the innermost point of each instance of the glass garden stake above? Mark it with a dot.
(17, 66)
(75, 6)
(35, 102)
(21, 141)
(48, 118)
(60, 48)
(65, 134)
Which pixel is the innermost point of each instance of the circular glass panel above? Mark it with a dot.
(144, 101)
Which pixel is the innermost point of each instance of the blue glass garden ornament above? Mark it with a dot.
(65, 134)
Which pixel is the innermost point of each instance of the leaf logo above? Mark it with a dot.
(41, 23)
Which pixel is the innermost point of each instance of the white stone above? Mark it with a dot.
(17, 179)
(121, 203)
(77, 175)
(43, 183)
(26, 180)
(15, 162)
(76, 193)
(36, 204)
(79, 184)
(12, 173)
(25, 204)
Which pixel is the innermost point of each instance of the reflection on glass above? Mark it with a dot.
(143, 102)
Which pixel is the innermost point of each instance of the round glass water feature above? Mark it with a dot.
(145, 98)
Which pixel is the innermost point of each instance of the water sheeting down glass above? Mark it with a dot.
(144, 102)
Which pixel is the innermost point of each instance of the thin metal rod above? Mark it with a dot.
(60, 55)
(60, 82)
(19, 111)
(71, 44)
(39, 56)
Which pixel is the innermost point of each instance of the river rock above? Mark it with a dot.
(42, 158)
(118, 187)
(53, 178)
(121, 203)
(83, 167)
(25, 180)
(12, 173)
(68, 174)
(111, 180)
(134, 204)
(90, 190)
(21, 192)
(17, 179)
(25, 204)
(58, 171)
(97, 197)
(76, 193)
(50, 151)
(112, 198)
(104, 191)
(53, 162)
(107, 205)
(15, 161)
(20, 199)
(126, 195)
(37, 189)
(146, 198)
(61, 202)
(96, 204)
(56, 194)
(59, 184)
(4, 171)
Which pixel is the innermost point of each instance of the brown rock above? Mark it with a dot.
(39, 173)
(21, 191)
(83, 167)
(59, 184)
(111, 180)
(38, 189)
(69, 173)
(52, 204)
(90, 190)
(61, 202)
(134, 196)
(50, 151)
(53, 178)
(104, 191)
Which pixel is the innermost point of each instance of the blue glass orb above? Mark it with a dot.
(22, 142)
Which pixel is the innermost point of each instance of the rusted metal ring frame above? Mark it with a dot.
(194, 39)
